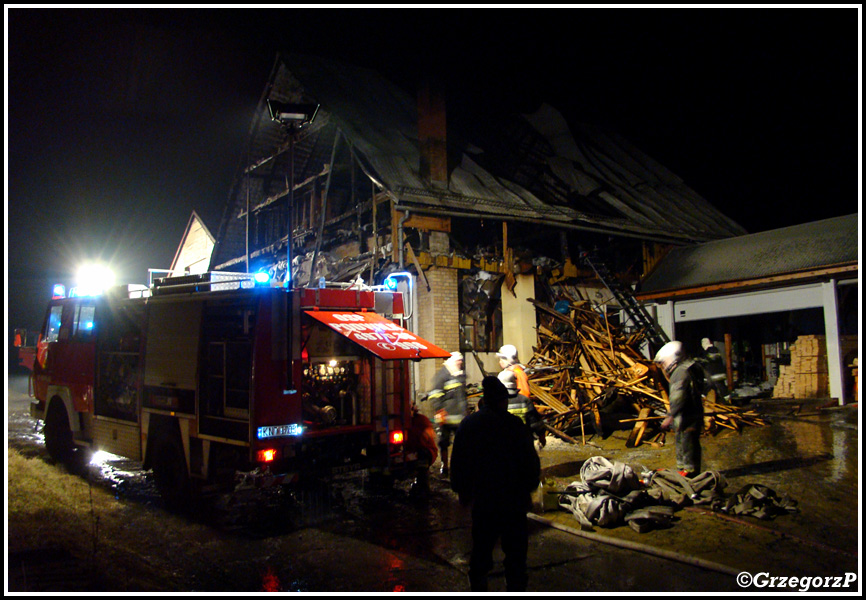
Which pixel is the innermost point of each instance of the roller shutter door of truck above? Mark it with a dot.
(171, 356)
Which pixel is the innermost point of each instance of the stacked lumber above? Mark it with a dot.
(807, 375)
(583, 360)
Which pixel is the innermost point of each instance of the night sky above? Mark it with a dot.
(121, 122)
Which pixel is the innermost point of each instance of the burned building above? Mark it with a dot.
(349, 178)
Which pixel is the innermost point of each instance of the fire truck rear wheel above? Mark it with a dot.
(58, 434)
(170, 473)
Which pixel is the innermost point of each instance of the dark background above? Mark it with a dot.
(121, 122)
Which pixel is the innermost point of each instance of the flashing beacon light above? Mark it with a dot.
(391, 280)
(396, 437)
(58, 291)
(262, 277)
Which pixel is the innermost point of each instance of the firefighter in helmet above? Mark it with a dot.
(508, 361)
(686, 413)
(448, 396)
(714, 365)
(521, 406)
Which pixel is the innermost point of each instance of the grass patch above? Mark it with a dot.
(117, 547)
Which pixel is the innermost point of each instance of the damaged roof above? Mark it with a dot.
(830, 243)
(584, 179)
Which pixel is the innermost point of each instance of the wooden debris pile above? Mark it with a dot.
(718, 417)
(586, 373)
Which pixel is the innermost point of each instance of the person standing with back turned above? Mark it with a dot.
(495, 469)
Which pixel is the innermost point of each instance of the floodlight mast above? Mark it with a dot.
(292, 117)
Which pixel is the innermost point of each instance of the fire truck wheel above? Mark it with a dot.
(170, 474)
(58, 435)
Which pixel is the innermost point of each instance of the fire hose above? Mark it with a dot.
(628, 545)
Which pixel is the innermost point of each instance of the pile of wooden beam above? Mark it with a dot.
(718, 417)
(584, 361)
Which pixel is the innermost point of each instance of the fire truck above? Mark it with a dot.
(213, 380)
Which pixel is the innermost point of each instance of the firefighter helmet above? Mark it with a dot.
(669, 354)
(508, 353)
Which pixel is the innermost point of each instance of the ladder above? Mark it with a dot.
(639, 315)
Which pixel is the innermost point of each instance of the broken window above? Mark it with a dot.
(480, 311)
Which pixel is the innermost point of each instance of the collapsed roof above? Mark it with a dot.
(538, 171)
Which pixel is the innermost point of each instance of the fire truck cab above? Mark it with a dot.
(215, 381)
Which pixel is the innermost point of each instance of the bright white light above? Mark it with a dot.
(93, 278)
(100, 457)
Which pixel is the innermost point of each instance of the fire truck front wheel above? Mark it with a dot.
(170, 473)
(58, 434)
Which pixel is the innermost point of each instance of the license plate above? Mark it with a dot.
(279, 431)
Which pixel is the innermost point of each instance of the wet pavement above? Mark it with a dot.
(810, 455)
(358, 538)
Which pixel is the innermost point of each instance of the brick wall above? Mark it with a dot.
(437, 320)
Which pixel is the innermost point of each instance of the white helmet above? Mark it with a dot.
(669, 354)
(508, 353)
(452, 363)
(509, 380)
(706, 343)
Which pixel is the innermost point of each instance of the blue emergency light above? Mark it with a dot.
(262, 277)
(391, 280)
(59, 291)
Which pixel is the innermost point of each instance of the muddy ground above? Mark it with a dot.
(358, 538)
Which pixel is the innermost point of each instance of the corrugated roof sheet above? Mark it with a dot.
(382, 122)
(593, 180)
(815, 245)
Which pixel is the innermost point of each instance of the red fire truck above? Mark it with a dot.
(212, 379)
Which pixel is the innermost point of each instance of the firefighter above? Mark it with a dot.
(508, 361)
(521, 406)
(686, 413)
(495, 470)
(715, 367)
(448, 397)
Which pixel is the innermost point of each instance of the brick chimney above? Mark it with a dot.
(432, 134)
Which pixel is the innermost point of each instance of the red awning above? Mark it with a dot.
(382, 337)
